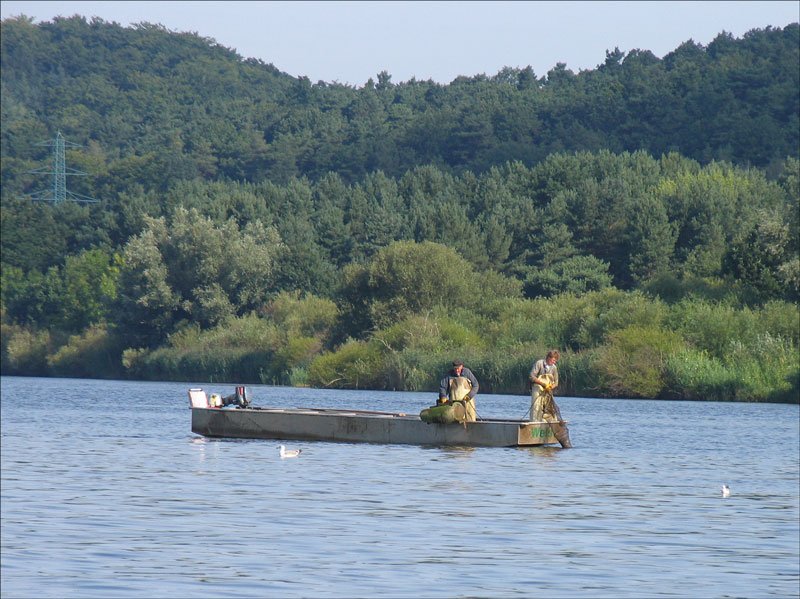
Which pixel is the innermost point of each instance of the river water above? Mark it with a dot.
(107, 493)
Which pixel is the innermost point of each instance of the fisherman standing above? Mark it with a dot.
(544, 379)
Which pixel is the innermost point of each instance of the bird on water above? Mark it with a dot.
(726, 491)
(289, 453)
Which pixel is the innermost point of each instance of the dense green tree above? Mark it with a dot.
(766, 260)
(90, 288)
(192, 269)
(146, 304)
(577, 274)
(413, 278)
(650, 239)
(331, 222)
(302, 264)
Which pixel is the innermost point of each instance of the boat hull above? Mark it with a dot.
(366, 427)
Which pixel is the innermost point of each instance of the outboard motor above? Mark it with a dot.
(241, 396)
(238, 399)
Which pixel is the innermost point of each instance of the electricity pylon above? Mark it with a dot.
(59, 193)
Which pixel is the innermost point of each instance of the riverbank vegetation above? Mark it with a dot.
(257, 228)
(614, 343)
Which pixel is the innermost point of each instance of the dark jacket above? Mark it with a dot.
(444, 384)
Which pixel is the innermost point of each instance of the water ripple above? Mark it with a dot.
(107, 497)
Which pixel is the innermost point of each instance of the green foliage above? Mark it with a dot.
(414, 350)
(767, 368)
(275, 349)
(415, 278)
(650, 239)
(412, 278)
(297, 314)
(211, 364)
(353, 366)
(291, 361)
(421, 333)
(32, 298)
(69, 298)
(192, 269)
(632, 361)
(24, 351)
(714, 327)
(574, 321)
(764, 368)
(146, 303)
(240, 350)
(780, 319)
(612, 310)
(694, 374)
(736, 354)
(413, 369)
(766, 257)
(577, 373)
(239, 203)
(672, 289)
(90, 288)
(578, 274)
(94, 353)
(515, 322)
(502, 370)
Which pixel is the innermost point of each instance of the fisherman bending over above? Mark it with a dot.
(459, 384)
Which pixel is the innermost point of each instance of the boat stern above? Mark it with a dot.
(542, 433)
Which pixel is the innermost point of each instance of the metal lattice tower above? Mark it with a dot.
(59, 193)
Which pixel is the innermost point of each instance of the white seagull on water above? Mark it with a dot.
(289, 453)
(726, 491)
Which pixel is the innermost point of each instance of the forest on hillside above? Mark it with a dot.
(255, 226)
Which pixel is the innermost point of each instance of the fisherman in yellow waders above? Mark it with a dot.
(544, 378)
(460, 385)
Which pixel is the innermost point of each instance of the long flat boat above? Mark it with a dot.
(362, 426)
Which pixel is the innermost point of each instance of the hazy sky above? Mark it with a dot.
(350, 42)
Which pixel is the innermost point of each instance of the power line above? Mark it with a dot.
(59, 193)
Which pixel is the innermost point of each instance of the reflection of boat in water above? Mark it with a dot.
(363, 426)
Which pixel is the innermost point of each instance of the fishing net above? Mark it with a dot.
(545, 408)
(457, 408)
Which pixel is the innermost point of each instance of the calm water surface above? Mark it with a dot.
(107, 493)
